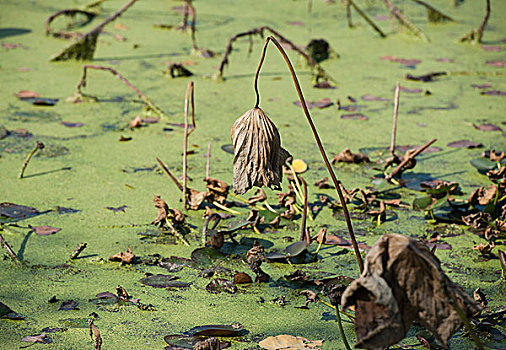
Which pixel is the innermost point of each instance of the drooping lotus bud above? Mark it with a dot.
(258, 155)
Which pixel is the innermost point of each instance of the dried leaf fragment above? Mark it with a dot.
(402, 282)
(218, 190)
(258, 155)
(41, 338)
(347, 157)
(126, 257)
(289, 342)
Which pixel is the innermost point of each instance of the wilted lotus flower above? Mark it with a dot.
(258, 155)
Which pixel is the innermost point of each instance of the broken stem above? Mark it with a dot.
(9, 250)
(477, 34)
(208, 159)
(193, 13)
(172, 177)
(367, 19)
(303, 233)
(260, 31)
(348, 14)
(434, 14)
(402, 19)
(317, 139)
(222, 207)
(409, 158)
(78, 250)
(396, 112)
(38, 145)
(185, 143)
(176, 233)
(143, 97)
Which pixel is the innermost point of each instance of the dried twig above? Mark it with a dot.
(83, 48)
(94, 331)
(348, 14)
(396, 112)
(402, 19)
(9, 250)
(208, 161)
(433, 14)
(172, 177)
(477, 34)
(304, 235)
(80, 247)
(185, 140)
(143, 97)
(407, 159)
(39, 145)
(367, 19)
(260, 31)
(71, 13)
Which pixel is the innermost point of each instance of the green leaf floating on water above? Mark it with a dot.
(483, 164)
(291, 251)
(217, 330)
(429, 203)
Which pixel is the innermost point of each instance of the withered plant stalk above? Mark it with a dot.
(407, 159)
(304, 236)
(143, 97)
(477, 34)
(348, 14)
(38, 145)
(189, 91)
(402, 19)
(9, 250)
(208, 161)
(396, 113)
(337, 183)
(366, 18)
(172, 177)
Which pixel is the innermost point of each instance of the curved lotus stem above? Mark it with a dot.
(336, 182)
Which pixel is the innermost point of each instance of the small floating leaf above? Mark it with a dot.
(483, 164)
(465, 144)
(219, 330)
(45, 230)
(295, 249)
(163, 281)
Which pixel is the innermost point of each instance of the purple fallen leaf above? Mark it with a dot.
(369, 97)
(481, 86)
(493, 93)
(410, 91)
(72, 124)
(309, 104)
(498, 63)
(403, 61)
(116, 209)
(323, 103)
(492, 48)
(355, 116)
(9, 46)
(323, 85)
(150, 120)
(439, 246)
(295, 23)
(45, 230)
(444, 60)
(381, 18)
(487, 127)
(464, 144)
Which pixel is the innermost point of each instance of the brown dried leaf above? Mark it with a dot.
(477, 220)
(218, 190)
(482, 196)
(258, 155)
(195, 198)
(289, 342)
(484, 249)
(208, 344)
(259, 196)
(45, 230)
(94, 332)
(124, 257)
(136, 122)
(347, 157)
(323, 183)
(497, 175)
(241, 277)
(41, 338)
(163, 209)
(402, 282)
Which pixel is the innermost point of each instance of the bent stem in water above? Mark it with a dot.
(185, 142)
(337, 183)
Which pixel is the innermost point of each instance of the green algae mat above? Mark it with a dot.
(96, 232)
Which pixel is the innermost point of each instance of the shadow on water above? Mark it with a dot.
(47, 172)
(23, 245)
(7, 32)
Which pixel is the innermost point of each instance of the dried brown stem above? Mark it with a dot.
(477, 34)
(78, 250)
(408, 159)
(38, 145)
(336, 182)
(435, 12)
(396, 112)
(402, 19)
(260, 31)
(367, 19)
(172, 177)
(208, 161)
(193, 14)
(9, 250)
(70, 13)
(94, 332)
(185, 141)
(348, 14)
(304, 236)
(143, 97)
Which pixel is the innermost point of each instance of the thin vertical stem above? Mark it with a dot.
(208, 159)
(38, 145)
(348, 14)
(396, 112)
(303, 232)
(341, 330)
(185, 142)
(317, 139)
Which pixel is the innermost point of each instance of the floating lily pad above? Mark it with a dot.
(229, 148)
(355, 116)
(483, 164)
(217, 330)
(207, 256)
(291, 251)
(45, 230)
(163, 281)
(10, 212)
(465, 144)
(6, 312)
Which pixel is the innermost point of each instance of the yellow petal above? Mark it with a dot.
(299, 166)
